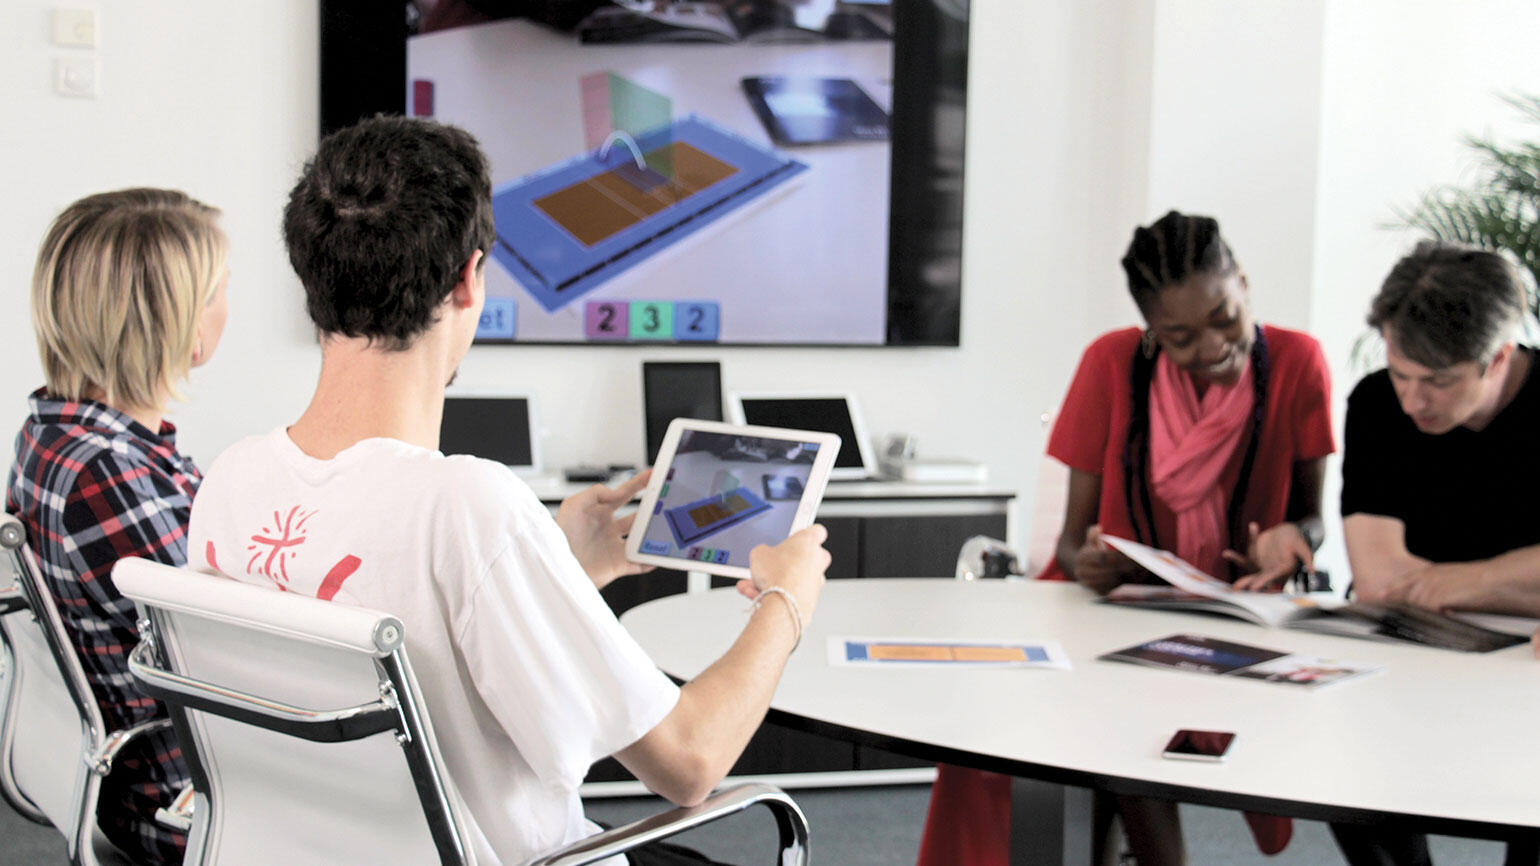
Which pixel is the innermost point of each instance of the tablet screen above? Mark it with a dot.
(722, 493)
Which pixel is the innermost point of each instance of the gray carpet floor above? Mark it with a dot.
(866, 827)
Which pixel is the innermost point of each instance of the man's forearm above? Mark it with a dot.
(1509, 583)
(729, 699)
(1377, 555)
(689, 752)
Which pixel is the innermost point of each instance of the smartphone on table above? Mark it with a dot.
(1188, 744)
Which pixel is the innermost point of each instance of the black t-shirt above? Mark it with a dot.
(1462, 495)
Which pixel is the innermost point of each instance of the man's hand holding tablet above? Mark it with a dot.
(796, 565)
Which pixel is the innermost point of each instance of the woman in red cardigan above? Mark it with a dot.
(1204, 433)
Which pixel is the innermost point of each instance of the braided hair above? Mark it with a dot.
(1168, 252)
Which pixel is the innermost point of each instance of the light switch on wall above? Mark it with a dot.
(75, 76)
(74, 28)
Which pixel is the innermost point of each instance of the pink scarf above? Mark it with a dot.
(1191, 443)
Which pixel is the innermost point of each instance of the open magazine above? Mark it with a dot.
(1188, 588)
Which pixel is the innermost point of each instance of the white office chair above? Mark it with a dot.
(54, 747)
(1048, 500)
(295, 715)
(13, 609)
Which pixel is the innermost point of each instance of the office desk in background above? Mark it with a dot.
(1446, 738)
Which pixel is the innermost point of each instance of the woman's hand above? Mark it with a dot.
(1099, 567)
(1271, 557)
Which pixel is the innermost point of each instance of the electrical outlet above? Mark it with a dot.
(75, 76)
(74, 28)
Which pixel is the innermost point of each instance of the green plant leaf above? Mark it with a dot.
(1501, 210)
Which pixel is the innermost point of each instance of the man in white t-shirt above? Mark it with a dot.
(527, 674)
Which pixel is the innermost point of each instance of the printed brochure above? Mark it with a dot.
(1207, 655)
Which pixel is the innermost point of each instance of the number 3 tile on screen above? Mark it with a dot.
(499, 320)
(697, 321)
(606, 320)
(652, 320)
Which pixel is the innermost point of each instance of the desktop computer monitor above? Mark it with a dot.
(496, 427)
(678, 389)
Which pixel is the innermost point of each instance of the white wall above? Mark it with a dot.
(1392, 116)
(218, 99)
(1085, 119)
(1235, 136)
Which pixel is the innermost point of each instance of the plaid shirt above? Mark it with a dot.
(93, 486)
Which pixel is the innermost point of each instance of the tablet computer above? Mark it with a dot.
(813, 110)
(719, 490)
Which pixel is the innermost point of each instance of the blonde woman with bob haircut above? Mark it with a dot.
(128, 296)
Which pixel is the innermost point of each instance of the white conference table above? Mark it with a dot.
(1448, 740)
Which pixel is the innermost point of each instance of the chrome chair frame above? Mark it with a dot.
(12, 601)
(26, 598)
(726, 802)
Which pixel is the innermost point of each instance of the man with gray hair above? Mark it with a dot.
(1440, 461)
(1440, 468)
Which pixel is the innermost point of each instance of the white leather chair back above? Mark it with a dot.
(266, 796)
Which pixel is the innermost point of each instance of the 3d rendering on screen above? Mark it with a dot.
(569, 229)
(708, 173)
(723, 494)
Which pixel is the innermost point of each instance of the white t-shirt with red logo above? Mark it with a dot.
(528, 676)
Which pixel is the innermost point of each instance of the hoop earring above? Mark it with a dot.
(1147, 344)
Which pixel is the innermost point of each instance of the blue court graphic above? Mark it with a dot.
(706, 517)
(556, 266)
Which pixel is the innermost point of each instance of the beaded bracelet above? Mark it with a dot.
(792, 608)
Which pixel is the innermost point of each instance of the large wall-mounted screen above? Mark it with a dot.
(747, 172)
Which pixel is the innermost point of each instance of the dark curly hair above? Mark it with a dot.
(1170, 250)
(381, 222)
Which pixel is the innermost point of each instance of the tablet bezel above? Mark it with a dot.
(867, 471)
(807, 506)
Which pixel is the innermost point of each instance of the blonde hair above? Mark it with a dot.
(121, 280)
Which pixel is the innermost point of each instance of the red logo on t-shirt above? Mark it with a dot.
(276, 546)
(278, 543)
